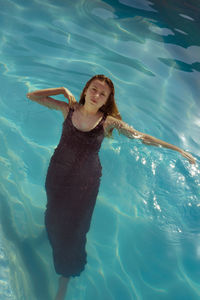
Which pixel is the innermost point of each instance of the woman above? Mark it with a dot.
(74, 172)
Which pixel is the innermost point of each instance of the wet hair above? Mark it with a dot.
(110, 107)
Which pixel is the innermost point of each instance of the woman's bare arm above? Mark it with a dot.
(43, 97)
(131, 133)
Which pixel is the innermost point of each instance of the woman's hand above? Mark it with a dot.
(188, 156)
(67, 94)
(148, 140)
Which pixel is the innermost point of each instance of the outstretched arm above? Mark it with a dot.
(131, 133)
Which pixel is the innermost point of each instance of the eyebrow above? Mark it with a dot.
(94, 85)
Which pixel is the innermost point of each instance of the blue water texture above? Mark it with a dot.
(144, 240)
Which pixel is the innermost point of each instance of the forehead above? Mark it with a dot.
(101, 85)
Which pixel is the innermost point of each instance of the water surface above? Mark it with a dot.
(144, 241)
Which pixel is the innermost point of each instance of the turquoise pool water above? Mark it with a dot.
(144, 242)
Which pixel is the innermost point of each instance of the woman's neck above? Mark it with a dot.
(87, 110)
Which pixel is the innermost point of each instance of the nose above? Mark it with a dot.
(96, 95)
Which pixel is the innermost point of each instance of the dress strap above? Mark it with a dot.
(69, 115)
(71, 110)
(104, 118)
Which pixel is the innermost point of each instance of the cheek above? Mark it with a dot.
(103, 101)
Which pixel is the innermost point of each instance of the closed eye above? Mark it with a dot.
(95, 90)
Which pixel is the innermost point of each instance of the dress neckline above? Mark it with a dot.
(84, 131)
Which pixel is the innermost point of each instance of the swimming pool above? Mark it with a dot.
(144, 241)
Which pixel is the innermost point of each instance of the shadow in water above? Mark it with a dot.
(33, 264)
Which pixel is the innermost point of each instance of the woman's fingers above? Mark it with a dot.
(72, 100)
(69, 96)
(189, 157)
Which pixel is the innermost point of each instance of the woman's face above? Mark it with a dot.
(97, 93)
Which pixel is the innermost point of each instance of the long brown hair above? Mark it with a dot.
(110, 107)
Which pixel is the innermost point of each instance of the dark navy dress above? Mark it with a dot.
(72, 185)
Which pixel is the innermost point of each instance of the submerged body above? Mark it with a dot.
(72, 185)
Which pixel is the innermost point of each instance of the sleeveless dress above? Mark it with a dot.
(72, 185)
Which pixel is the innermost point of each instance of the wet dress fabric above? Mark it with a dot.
(72, 185)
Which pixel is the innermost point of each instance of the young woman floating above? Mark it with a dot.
(74, 172)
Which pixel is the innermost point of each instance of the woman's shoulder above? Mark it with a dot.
(112, 121)
(67, 107)
(75, 106)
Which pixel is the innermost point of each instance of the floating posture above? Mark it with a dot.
(74, 172)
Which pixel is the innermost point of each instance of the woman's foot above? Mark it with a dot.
(62, 289)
